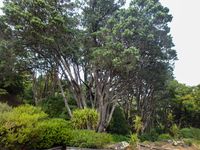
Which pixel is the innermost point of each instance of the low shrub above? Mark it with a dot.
(28, 127)
(89, 139)
(188, 142)
(85, 118)
(54, 106)
(17, 127)
(4, 107)
(164, 137)
(52, 132)
(118, 138)
(190, 133)
(174, 130)
(134, 140)
(118, 124)
(151, 136)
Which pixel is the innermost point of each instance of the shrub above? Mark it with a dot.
(151, 136)
(4, 107)
(138, 124)
(164, 137)
(89, 139)
(17, 127)
(54, 106)
(190, 133)
(174, 130)
(52, 132)
(118, 138)
(188, 142)
(134, 140)
(118, 123)
(85, 118)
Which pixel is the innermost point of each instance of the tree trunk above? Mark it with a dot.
(65, 99)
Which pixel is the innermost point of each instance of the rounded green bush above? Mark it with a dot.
(164, 137)
(17, 127)
(52, 132)
(85, 118)
(190, 133)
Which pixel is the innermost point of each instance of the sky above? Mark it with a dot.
(185, 30)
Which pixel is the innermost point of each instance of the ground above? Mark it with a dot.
(165, 146)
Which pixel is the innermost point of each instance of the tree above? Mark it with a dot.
(46, 32)
(154, 67)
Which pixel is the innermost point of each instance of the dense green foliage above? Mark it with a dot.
(28, 127)
(191, 133)
(101, 66)
(119, 124)
(85, 118)
(86, 138)
(164, 137)
(17, 126)
(54, 107)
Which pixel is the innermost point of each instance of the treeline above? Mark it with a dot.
(64, 55)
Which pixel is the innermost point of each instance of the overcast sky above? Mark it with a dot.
(185, 29)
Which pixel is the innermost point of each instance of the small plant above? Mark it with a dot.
(85, 118)
(188, 142)
(134, 140)
(175, 131)
(138, 124)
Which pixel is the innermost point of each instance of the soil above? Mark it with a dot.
(165, 146)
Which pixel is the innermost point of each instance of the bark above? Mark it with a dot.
(34, 88)
(65, 99)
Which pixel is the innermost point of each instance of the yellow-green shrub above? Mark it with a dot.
(174, 130)
(89, 139)
(134, 140)
(17, 127)
(85, 118)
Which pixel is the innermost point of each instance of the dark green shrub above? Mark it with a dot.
(190, 133)
(151, 136)
(164, 137)
(17, 127)
(85, 118)
(118, 138)
(54, 107)
(118, 123)
(89, 139)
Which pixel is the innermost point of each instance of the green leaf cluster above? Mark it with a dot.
(85, 118)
